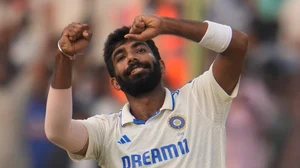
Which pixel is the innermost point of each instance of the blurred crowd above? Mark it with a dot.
(262, 127)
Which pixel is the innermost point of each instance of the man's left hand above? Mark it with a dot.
(145, 27)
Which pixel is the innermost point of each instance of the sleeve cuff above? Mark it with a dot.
(89, 153)
(219, 90)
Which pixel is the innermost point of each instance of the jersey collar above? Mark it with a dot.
(169, 104)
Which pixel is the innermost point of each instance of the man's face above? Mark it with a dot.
(136, 70)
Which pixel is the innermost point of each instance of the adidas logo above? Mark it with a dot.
(124, 140)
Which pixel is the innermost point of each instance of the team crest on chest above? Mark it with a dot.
(177, 122)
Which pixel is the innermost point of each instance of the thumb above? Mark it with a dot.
(133, 36)
(87, 34)
(145, 35)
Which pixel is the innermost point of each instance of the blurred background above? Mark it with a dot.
(262, 127)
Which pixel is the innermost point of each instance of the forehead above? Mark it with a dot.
(130, 44)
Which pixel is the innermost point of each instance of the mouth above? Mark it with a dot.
(137, 70)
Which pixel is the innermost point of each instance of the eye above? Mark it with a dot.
(120, 58)
(141, 50)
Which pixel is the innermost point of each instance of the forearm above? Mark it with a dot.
(59, 126)
(229, 43)
(195, 31)
(58, 112)
(189, 29)
(59, 102)
(62, 77)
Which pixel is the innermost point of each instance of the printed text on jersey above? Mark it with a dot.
(156, 155)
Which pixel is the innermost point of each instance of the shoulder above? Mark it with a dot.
(109, 117)
(103, 119)
(192, 89)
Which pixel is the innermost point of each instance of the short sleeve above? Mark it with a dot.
(97, 128)
(213, 101)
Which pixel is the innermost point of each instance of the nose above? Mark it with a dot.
(131, 58)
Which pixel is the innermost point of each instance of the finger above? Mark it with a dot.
(135, 30)
(145, 35)
(136, 37)
(72, 35)
(81, 44)
(87, 34)
(66, 31)
(69, 32)
(77, 29)
(138, 19)
(84, 31)
(141, 25)
(78, 25)
(131, 31)
(137, 26)
(85, 26)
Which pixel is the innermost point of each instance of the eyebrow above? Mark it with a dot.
(138, 44)
(120, 50)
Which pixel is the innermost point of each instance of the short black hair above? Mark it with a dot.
(114, 40)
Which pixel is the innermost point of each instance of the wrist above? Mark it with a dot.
(70, 56)
(168, 26)
(189, 29)
(61, 57)
(217, 37)
(178, 27)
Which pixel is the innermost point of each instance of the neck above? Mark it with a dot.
(143, 107)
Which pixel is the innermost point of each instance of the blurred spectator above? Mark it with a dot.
(289, 29)
(15, 91)
(250, 117)
(39, 148)
(236, 13)
(16, 84)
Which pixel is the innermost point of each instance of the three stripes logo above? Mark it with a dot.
(124, 140)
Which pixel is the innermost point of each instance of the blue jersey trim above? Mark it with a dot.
(138, 122)
(155, 114)
(173, 100)
(121, 117)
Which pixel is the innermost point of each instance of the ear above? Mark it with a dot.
(162, 66)
(114, 83)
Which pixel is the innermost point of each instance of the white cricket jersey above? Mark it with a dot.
(188, 131)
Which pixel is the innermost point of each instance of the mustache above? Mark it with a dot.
(136, 65)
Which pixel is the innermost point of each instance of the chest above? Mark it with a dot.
(165, 129)
(158, 140)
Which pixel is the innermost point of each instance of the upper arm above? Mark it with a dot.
(212, 100)
(228, 65)
(79, 135)
(92, 134)
(75, 140)
(83, 151)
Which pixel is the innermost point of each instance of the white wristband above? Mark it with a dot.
(217, 37)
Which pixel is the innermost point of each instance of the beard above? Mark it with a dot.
(141, 83)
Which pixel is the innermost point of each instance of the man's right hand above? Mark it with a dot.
(75, 37)
(60, 129)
